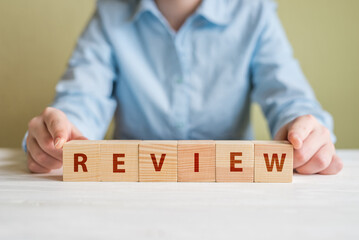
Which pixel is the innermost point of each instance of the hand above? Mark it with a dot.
(46, 136)
(314, 151)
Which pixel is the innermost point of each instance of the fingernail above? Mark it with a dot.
(58, 142)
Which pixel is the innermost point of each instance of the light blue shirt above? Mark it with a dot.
(197, 83)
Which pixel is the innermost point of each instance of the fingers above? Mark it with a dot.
(300, 129)
(319, 162)
(51, 130)
(42, 158)
(35, 167)
(58, 126)
(47, 135)
(308, 149)
(38, 130)
(335, 166)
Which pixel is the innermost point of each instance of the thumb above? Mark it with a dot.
(283, 134)
(295, 140)
(80, 138)
(299, 130)
(57, 125)
(76, 134)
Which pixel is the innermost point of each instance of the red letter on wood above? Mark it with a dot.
(116, 163)
(233, 156)
(196, 162)
(82, 163)
(158, 167)
(270, 166)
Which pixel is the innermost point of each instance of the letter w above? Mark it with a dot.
(278, 165)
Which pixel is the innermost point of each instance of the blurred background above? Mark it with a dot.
(38, 36)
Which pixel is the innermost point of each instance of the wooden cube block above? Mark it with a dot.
(234, 161)
(81, 160)
(158, 161)
(196, 161)
(119, 161)
(273, 161)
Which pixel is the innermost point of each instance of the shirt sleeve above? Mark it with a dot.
(279, 86)
(85, 92)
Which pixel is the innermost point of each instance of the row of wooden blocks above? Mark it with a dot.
(182, 161)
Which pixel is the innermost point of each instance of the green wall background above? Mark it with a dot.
(37, 38)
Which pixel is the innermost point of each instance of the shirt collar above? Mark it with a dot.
(145, 6)
(214, 11)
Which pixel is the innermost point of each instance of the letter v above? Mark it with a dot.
(157, 166)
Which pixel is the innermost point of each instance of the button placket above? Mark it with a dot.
(181, 97)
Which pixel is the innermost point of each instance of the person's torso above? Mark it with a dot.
(193, 84)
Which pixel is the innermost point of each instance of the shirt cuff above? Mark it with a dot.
(24, 146)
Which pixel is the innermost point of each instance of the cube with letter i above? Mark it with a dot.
(196, 161)
(273, 161)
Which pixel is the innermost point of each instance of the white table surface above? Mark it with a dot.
(41, 206)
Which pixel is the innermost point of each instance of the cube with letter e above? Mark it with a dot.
(119, 161)
(234, 161)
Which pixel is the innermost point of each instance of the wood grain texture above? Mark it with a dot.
(327, 207)
(203, 169)
(126, 172)
(268, 156)
(168, 171)
(183, 161)
(92, 150)
(243, 158)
